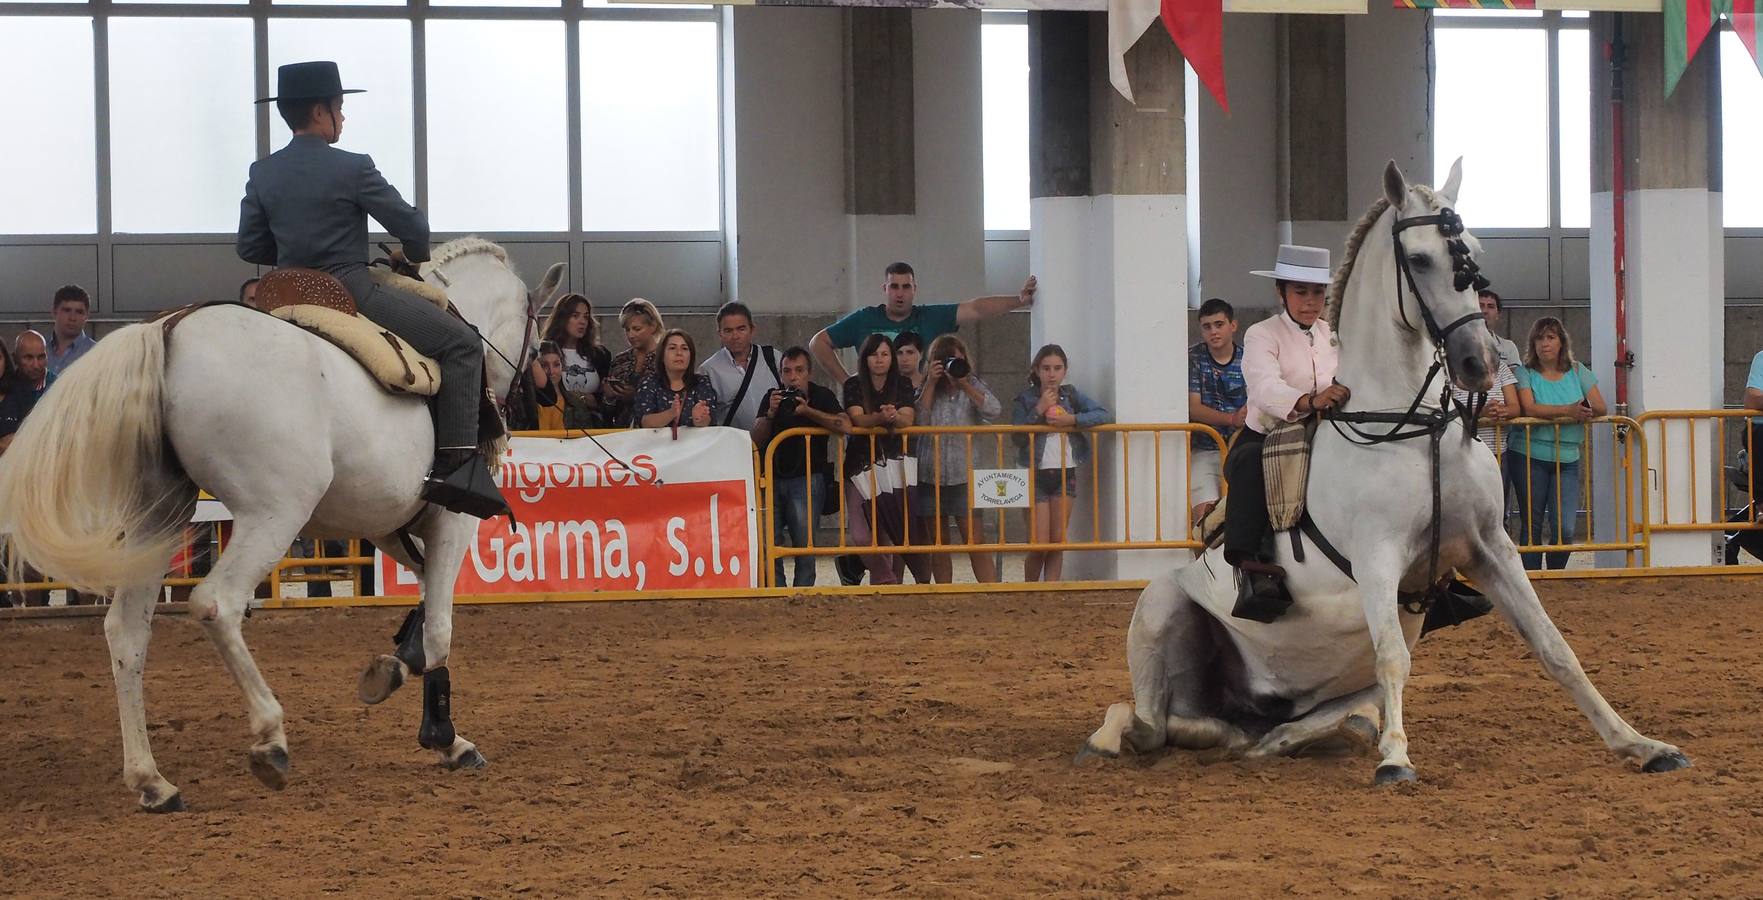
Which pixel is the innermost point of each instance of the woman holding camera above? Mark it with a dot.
(952, 396)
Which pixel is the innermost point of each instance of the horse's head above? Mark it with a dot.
(484, 286)
(1437, 271)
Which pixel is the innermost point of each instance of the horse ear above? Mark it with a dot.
(551, 285)
(1452, 183)
(1395, 187)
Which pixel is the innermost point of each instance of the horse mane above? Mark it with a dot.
(467, 246)
(1337, 288)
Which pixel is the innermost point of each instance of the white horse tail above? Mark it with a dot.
(89, 490)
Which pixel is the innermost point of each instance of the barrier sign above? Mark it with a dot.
(1000, 488)
(674, 514)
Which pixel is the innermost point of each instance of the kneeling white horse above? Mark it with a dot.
(1330, 672)
(296, 438)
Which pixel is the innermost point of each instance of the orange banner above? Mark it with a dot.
(673, 514)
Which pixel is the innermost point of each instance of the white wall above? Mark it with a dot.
(789, 116)
(1388, 101)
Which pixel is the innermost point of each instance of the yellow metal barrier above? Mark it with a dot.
(1157, 533)
(1705, 513)
(1624, 529)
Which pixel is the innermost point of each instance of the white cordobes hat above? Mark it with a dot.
(1298, 263)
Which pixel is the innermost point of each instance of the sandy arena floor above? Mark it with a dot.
(839, 747)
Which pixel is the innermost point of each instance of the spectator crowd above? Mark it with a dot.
(914, 368)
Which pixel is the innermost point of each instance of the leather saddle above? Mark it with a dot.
(319, 303)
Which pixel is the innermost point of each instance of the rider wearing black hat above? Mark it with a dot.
(307, 205)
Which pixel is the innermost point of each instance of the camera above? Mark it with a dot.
(787, 400)
(956, 367)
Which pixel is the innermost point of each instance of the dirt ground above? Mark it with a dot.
(838, 747)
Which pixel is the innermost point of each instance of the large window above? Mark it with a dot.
(48, 185)
(1741, 96)
(495, 145)
(1004, 100)
(1491, 108)
(649, 112)
(498, 138)
(181, 130)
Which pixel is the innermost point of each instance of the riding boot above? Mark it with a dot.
(461, 482)
(1261, 589)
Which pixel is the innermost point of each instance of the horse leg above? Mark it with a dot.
(1166, 650)
(1500, 575)
(447, 540)
(387, 672)
(219, 604)
(1377, 590)
(1344, 723)
(128, 627)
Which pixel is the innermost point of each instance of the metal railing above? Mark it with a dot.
(1529, 441)
(1130, 503)
(1110, 453)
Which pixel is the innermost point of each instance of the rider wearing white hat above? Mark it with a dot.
(1288, 366)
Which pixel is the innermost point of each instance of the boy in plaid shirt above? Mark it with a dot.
(1217, 397)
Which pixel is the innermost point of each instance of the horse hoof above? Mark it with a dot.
(1361, 733)
(1666, 762)
(271, 767)
(172, 804)
(1394, 775)
(383, 676)
(1088, 750)
(470, 759)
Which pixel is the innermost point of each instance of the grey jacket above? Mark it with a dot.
(307, 205)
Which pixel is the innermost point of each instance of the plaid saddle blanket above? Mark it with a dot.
(1285, 464)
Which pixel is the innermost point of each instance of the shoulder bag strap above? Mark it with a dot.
(746, 380)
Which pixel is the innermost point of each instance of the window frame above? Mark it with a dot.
(419, 13)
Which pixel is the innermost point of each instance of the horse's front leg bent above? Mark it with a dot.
(387, 672)
(1378, 583)
(447, 541)
(1501, 576)
(128, 627)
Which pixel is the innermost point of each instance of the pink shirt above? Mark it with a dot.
(1282, 362)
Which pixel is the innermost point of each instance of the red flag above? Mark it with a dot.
(1198, 29)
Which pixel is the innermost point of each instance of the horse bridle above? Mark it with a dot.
(1465, 274)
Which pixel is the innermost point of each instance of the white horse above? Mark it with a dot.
(1329, 674)
(296, 438)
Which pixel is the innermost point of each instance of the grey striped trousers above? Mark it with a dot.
(433, 332)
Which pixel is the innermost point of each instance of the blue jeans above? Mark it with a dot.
(1548, 503)
(791, 513)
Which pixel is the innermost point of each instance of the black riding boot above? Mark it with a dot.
(1261, 589)
(461, 482)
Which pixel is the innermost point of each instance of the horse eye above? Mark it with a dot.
(1419, 260)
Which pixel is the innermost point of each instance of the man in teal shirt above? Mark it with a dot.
(899, 314)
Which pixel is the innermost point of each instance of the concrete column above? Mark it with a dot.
(914, 151)
(1312, 131)
(1675, 261)
(1108, 238)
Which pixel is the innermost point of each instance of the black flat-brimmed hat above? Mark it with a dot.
(317, 80)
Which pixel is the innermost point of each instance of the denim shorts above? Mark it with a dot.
(1047, 482)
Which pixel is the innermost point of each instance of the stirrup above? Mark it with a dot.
(1261, 595)
(468, 489)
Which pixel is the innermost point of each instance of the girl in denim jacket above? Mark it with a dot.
(1056, 458)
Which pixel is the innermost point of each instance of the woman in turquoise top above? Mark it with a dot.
(1543, 463)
